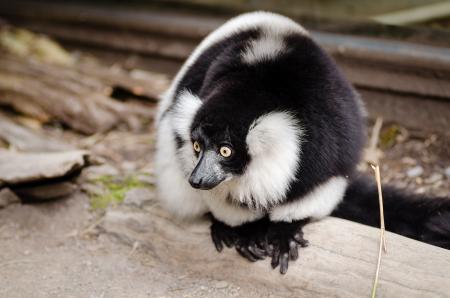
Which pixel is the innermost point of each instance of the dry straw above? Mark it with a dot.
(382, 246)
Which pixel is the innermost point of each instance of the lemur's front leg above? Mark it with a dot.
(283, 240)
(249, 239)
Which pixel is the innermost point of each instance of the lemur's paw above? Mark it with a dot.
(283, 241)
(222, 234)
(251, 240)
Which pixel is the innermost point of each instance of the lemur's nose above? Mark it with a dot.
(195, 182)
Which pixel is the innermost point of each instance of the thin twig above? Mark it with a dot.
(372, 154)
(92, 226)
(376, 133)
(382, 246)
(133, 249)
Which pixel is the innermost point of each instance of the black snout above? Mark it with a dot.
(195, 182)
(207, 174)
(204, 184)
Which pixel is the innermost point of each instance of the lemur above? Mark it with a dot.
(261, 130)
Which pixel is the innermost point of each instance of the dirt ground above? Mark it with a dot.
(45, 253)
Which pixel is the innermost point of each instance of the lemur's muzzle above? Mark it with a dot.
(208, 172)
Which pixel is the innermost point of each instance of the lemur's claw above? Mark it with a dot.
(217, 242)
(246, 253)
(283, 241)
(257, 251)
(251, 240)
(222, 234)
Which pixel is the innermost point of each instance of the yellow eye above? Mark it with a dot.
(225, 151)
(197, 146)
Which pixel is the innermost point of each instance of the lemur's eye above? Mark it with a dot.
(197, 147)
(225, 151)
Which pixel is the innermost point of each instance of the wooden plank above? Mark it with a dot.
(408, 68)
(415, 15)
(320, 8)
(340, 262)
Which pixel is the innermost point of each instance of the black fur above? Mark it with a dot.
(178, 141)
(415, 216)
(249, 238)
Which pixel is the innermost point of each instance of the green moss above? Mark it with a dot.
(114, 190)
(388, 136)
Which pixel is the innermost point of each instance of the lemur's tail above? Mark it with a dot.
(415, 216)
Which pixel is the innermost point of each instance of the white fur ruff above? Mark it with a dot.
(274, 145)
(181, 118)
(319, 203)
(173, 189)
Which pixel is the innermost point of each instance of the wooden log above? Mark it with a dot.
(340, 261)
(415, 14)
(77, 96)
(174, 47)
(86, 114)
(387, 65)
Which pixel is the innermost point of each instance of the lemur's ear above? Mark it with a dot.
(277, 134)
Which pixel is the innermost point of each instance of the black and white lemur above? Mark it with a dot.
(261, 130)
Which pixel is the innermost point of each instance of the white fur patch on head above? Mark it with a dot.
(320, 202)
(267, 47)
(270, 44)
(274, 144)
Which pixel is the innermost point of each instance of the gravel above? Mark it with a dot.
(414, 172)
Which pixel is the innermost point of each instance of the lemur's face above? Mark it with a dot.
(220, 155)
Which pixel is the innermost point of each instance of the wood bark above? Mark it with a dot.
(340, 261)
(78, 96)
